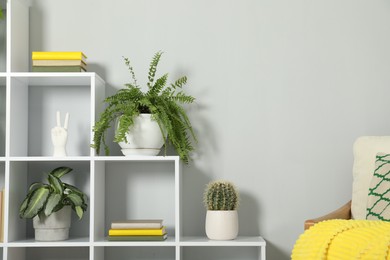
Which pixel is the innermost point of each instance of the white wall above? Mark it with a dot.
(283, 88)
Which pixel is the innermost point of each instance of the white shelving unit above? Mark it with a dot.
(118, 187)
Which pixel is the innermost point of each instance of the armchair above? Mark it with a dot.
(353, 230)
(365, 149)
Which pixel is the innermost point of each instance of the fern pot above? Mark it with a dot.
(54, 227)
(222, 224)
(143, 138)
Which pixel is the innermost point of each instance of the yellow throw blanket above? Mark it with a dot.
(344, 239)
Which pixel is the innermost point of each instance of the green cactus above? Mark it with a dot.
(221, 195)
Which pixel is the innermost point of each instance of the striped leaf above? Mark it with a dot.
(36, 202)
(79, 211)
(75, 199)
(51, 203)
(60, 171)
(35, 186)
(56, 184)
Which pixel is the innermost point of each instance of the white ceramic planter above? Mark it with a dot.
(222, 224)
(54, 227)
(143, 138)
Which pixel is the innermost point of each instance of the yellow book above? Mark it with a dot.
(137, 232)
(58, 55)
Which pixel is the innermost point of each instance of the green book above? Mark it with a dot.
(57, 69)
(137, 238)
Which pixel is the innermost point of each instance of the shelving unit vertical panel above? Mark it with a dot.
(178, 253)
(178, 196)
(18, 35)
(4, 165)
(97, 253)
(3, 114)
(178, 199)
(97, 201)
(18, 118)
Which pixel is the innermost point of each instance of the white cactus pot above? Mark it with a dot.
(222, 224)
(54, 227)
(143, 138)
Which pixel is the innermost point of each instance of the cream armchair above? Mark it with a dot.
(365, 149)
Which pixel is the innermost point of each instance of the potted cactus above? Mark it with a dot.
(221, 201)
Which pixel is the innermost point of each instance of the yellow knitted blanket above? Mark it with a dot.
(344, 239)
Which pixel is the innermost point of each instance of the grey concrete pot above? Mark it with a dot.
(54, 227)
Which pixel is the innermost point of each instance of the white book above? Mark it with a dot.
(138, 224)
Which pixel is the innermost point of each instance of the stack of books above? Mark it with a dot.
(52, 61)
(137, 230)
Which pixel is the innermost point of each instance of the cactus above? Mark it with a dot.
(221, 195)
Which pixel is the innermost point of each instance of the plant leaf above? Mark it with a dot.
(153, 68)
(36, 202)
(75, 199)
(56, 184)
(23, 207)
(60, 171)
(52, 202)
(73, 189)
(34, 186)
(79, 211)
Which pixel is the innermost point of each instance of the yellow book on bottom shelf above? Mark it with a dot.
(137, 232)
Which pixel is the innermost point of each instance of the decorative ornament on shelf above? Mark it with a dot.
(59, 136)
(140, 116)
(221, 200)
(49, 205)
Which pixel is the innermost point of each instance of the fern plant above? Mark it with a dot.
(46, 198)
(164, 103)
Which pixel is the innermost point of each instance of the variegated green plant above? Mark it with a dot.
(46, 198)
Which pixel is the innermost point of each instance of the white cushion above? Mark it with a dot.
(378, 195)
(365, 149)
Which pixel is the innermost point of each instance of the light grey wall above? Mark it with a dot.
(283, 89)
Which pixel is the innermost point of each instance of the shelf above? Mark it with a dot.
(49, 159)
(170, 241)
(72, 242)
(239, 241)
(252, 241)
(56, 78)
(137, 158)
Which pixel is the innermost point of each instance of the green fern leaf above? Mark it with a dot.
(153, 68)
